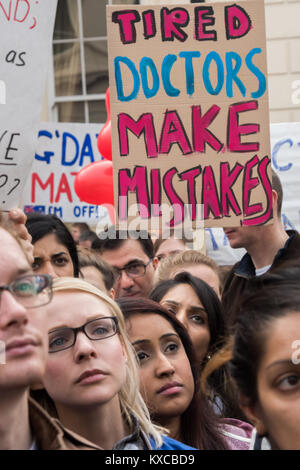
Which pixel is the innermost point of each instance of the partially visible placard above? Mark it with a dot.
(189, 112)
(26, 30)
(63, 149)
(285, 152)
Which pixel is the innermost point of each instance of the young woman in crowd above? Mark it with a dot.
(193, 262)
(264, 359)
(54, 249)
(169, 379)
(197, 306)
(91, 380)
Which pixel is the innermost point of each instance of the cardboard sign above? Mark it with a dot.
(63, 149)
(285, 143)
(26, 29)
(189, 112)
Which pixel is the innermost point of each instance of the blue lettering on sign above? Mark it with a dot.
(213, 240)
(71, 152)
(71, 138)
(262, 83)
(287, 223)
(275, 151)
(213, 56)
(87, 150)
(189, 70)
(166, 68)
(47, 155)
(119, 81)
(145, 64)
(232, 71)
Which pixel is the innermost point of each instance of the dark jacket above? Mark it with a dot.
(49, 434)
(238, 278)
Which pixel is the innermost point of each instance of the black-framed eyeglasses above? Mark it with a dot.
(65, 338)
(32, 290)
(133, 270)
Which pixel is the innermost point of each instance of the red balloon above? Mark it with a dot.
(104, 137)
(94, 184)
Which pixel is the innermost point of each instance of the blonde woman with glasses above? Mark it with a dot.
(91, 380)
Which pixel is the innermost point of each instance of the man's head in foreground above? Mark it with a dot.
(23, 329)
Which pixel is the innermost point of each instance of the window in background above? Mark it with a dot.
(80, 69)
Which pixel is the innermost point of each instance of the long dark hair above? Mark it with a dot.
(199, 424)
(40, 225)
(268, 298)
(219, 381)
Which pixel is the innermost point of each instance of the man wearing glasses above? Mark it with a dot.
(24, 347)
(132, 256)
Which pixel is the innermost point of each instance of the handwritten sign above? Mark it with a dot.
(189, 112)
(285, 144)
(63, 149)
(26, 29)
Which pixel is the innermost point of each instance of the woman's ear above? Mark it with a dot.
(254, 415)
(112, 293)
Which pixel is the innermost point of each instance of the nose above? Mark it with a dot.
(164, 366)
(12, 312)
(84, 348)
(126, 281)
(47, 268)
(182, 317)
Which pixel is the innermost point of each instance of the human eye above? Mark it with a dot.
(36, 264)
(58, 341)
(142, 356)
(170, 308)
(289, 382)
(61, 261)
(135, 268)
(197, 319)
(172, 347)
(101, 328)
(24, 287)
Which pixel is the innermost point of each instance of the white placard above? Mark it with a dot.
(63, 150)
(26, 30)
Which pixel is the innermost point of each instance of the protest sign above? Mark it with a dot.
(63, 149)
(189, 112)
(26, 29)
(285, 151)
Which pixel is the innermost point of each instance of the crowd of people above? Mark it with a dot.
(125, 343)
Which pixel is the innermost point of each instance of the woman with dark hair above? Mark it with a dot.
(169, 378)
(54, 249)
(197, 306)
(264, 359)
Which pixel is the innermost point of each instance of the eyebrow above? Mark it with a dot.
(192, 308)
(56, 255)
(62, 327)
(59, 254)
(281, 362)
(133, 261)
(139, 341)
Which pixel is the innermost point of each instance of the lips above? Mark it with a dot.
(90, 376)
(171, 387)
(20, 346)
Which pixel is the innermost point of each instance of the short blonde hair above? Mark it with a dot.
(131, 401)
(179, 260)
